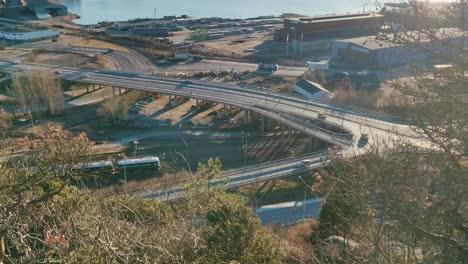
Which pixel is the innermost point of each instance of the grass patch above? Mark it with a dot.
(200, 35)
(93, 43)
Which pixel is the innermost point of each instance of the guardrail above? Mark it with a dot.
(266, 178)
(276, 162)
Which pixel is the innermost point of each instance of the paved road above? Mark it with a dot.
(290, 110)
(222, 65)
(253, 174)
(289, 213)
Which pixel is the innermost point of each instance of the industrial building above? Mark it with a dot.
(371, 53)
(45, 9)
(151, 32)
(144, 23)
(21, 33)
(318, 33)
(312, 90)
(42, 9)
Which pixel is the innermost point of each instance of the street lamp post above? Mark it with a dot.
(125, 176)
(305, 197)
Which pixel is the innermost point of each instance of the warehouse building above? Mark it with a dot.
(20, 34)
(371, 53)
(312, 90)
(143, 23)
(318, 33)
(151, 32)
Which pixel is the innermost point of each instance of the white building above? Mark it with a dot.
(26, 34)
(312, 90)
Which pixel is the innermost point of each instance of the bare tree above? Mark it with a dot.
(403, 203)
(113, 109)
(38, 92)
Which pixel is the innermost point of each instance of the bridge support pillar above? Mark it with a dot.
(267, 124)
(246, 117)
(262, 124)
(87, 88)
(113, 91)
(120, 91)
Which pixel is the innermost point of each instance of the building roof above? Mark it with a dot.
(330, 18)
(311, 87)
(368, 42)
(38, 4)
(21, 29)
(373, 43)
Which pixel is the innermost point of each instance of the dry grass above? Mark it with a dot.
(156, 184)
(295, 240)
(92, 43)
(359, 98)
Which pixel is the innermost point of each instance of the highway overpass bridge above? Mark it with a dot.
(287, 109)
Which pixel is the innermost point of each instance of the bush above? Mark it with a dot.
(200, 35)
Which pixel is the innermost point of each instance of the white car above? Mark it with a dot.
(304, 163)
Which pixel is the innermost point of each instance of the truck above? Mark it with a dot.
(180, 56)
(268, 67)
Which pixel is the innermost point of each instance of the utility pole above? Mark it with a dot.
(302, 42)
(246, 142)
(294, 44)
(125, 175)
(155, 17)
(305, 196)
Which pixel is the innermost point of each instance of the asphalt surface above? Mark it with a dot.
(222, 65)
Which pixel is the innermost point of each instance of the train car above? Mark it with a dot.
(140, 163)
(93, 166)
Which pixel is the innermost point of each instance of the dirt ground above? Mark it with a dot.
(61, 22)
(238, 46)
(92, 43)
(70, 60)
(273, 82)
(180, 36)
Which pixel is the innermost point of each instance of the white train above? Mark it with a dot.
(147, 163)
